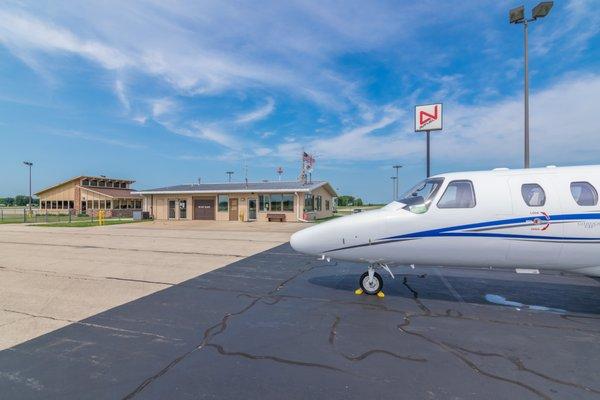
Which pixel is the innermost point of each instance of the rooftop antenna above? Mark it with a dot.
(246, 173)
(229, 173)
(279, 172)
(199, 181)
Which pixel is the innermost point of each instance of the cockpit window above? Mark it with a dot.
(419, 198)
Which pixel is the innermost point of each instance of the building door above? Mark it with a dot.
(252, 209)
(233, 209)
(204, 209)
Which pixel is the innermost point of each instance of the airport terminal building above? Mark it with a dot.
(252, 201)
(90, 194)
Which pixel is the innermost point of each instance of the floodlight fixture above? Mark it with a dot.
(542, 9)
(517, 15)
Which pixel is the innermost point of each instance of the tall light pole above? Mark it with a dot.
(393, 187)
(396, 167)
(29, 164)
(229, 173)
(517, 16)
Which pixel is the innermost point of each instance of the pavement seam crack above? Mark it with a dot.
(220, 327)
(520, 365)
(465, 360)
(362, 356)
(89, 324)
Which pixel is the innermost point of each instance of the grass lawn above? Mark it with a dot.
(85, 224)
(318, 221)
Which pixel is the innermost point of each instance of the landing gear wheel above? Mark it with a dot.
(371, 288)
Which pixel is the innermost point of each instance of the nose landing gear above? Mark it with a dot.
(371, 282)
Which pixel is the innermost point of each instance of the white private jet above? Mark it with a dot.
(539, 218)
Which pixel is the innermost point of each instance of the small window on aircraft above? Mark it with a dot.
(584, 193)
(533, 195)
(458, 194)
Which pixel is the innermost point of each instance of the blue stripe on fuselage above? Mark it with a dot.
(449, 231)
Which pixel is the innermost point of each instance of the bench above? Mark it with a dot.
(276, 217)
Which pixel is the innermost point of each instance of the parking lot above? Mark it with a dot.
(277, 324)
(52, 277)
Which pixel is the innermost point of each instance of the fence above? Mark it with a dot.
(22, 215)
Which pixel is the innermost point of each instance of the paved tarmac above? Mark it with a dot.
(52, 277)
(282, 325)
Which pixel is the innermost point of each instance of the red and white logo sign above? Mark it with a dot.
(428, 117)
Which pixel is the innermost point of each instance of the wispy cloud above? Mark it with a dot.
(121, 95)
(98, 139)
(257, 114)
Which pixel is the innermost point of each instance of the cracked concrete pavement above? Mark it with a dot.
(52, 277)
(282, 325)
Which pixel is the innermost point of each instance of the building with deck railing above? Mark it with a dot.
(90, 194)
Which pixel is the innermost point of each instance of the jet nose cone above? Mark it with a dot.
(303, 241)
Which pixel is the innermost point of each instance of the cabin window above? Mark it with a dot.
(533, 195)
(458, 194)
(584, 194)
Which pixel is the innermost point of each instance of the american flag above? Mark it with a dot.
(308, 160)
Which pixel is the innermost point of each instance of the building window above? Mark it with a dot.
(223, 202)
(85, 182)
(53, 203)
(71, 204)
(276, 200)
(288, 202)
(326, 205)
(182, 208)
(172, 209)
(309, 202)
(96, 204)
(138, 204)
(319, 205)
(584, 194)
(94, 183)
(263, 202)
(102, 184)
(123, 185)
(43, 204)
(109, 184)
(102, 204)
(533, 195)
(108, 205)
(458, 194)
(89, 204)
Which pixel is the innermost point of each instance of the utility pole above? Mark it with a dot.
(397, 167)
(29, 164)
(229, 173)
(517, 16)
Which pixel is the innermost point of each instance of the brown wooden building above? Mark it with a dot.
(90, 194)
(252, 201)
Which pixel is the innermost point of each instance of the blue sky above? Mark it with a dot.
(165, 92)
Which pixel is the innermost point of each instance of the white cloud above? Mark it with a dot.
(562, 132)
(161, 107)
(120, 92)
(99, 139)
(258, 114)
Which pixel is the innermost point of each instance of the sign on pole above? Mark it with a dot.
(428, 117)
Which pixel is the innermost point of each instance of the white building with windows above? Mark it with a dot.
(239, 201)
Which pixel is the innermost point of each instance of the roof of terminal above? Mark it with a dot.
(242, 187)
